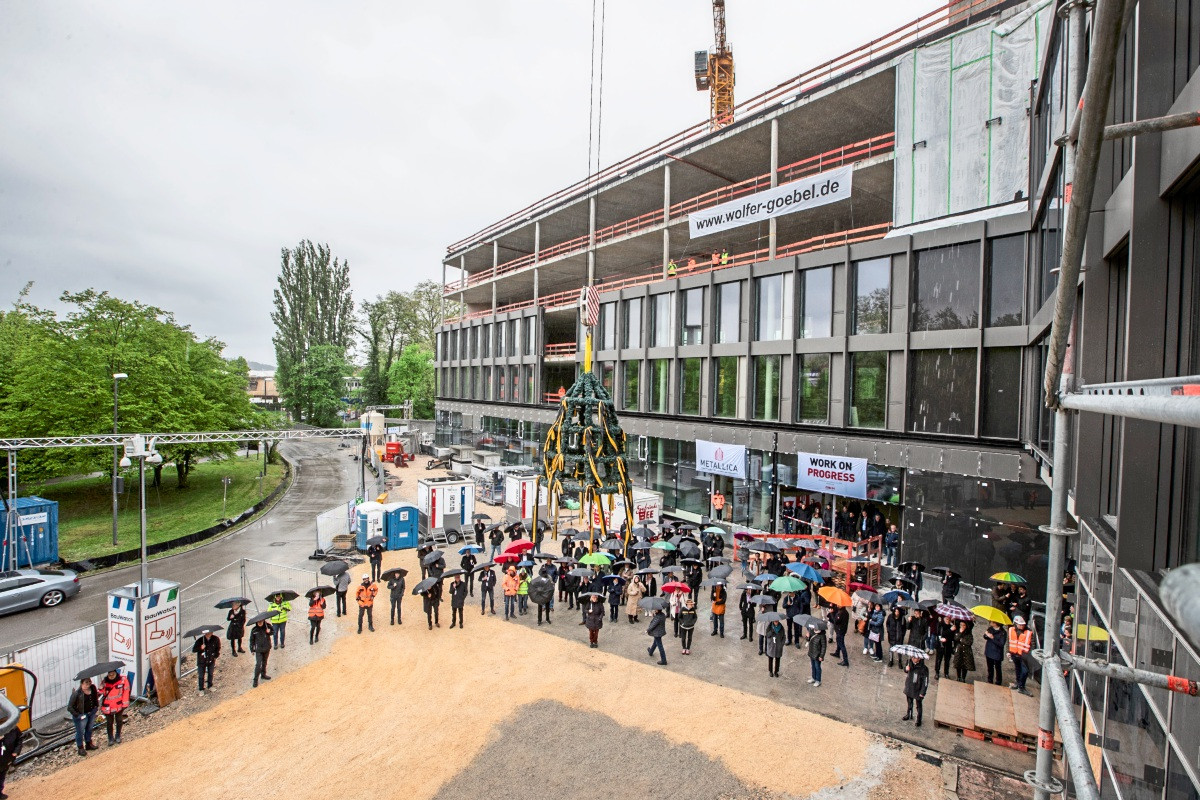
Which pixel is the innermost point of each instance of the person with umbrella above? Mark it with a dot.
(511, 584)
(541, 591)
(817, 644)
(633, 593)
(458, 599)
(487, 592)
(82, 706)
(114, 699)
(686, 621)
(656, 630)
(467, 563)
(994, 646)
(1020, 604)
(375, 557)
(945, 647)
(316, 614)
(523, 593)
(496, 539)
(674, 608)
(896, 627)
(839, 617)
(207, 649)
(911, 571)
(918, 628)
(396, 596)
(773, 644)
(916, 684)
(791, 609)
(963, 654)
(343, 587)
(437, 566)
(364, 595)
(651, 584)
(593, 618)
(237, 628)
(432, 601)
(950, 586)
(718, 596)
(747, 611)
(260, 645)
(280, 605)
(480, 527)
(615, 590)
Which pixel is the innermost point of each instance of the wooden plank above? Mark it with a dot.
(1025, 716)
(162, 664)
(994, 709)
(955, 706)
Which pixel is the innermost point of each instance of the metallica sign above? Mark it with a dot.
(721, 459)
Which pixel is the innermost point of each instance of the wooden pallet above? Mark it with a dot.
(955, 707)
(994, 711)
(1025, 716)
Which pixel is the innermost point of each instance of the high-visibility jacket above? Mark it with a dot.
(366, 594)
(281, 612)
(1020, 642)
(316, 609)
(114, 695)
(511, 584)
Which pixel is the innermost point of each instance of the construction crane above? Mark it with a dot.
(714, 71)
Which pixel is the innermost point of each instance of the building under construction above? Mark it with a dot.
(864, 265)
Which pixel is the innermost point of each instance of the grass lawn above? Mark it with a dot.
(85, 506)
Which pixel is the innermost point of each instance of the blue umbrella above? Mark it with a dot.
(805, 572)
(525, 563)
(766, 577)
(470, 548)
(612, 579)
(890, 597)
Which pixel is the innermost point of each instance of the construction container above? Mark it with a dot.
(521, 494)
(401, 523)
(36, 535)
(369, 517)
(445, 506)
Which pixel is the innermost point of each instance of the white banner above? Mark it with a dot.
(721, 459)
(818, 190)
(840, 475)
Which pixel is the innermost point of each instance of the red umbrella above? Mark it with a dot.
(676, 586)
(742, 536)
(505, 558)
(855, 586)
(519, 547)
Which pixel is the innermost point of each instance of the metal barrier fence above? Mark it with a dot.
(55, 661)
(336, 521)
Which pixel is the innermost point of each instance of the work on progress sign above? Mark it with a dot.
(840, 475)
(819, 190)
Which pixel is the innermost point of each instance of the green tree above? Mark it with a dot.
(412, 378)
(388, 323)
(313, 308)
(324, 373)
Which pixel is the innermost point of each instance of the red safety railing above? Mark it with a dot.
(881, 47)
(561, 350)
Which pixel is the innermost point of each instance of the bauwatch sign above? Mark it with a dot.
(721, 459)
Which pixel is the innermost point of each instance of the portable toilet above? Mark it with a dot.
(35, 533)
(446, 506)
(401, 522)
(369, 516)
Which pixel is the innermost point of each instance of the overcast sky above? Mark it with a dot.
(166, 152)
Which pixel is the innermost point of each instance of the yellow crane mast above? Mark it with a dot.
(714, 71)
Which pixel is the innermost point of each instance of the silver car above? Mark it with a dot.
(30, 588)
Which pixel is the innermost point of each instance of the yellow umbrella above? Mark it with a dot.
(991, 614)
(1091, 633)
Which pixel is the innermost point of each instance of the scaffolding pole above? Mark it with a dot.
(1155, 680)
(1072, 738)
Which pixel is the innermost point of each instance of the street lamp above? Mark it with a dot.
(117, 378)
(137, 447)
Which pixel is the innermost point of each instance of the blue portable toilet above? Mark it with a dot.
(400, 524)
(369, 522)
(36, 533)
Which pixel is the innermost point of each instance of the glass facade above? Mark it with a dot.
(608, 327)
(1006, 280)
(812, 389)
(725, 386)
(729, 312)
(607, 371)
(816, 303)
(660, 320)
(941, 392)
(689, 385)
(631, 385)
(633, 322)
(660, 385)
(868, 390)
(767, 376)
(946, 288)
(772, 304)
(872, 295)
(691, 321)
(1001, 401)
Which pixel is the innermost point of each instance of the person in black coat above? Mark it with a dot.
(916, 684)
(237, 628)
(375, 556)
(950, 585)
(945, 647)
(496, 539)
(396, 597)
(593, 618)
(468, 563)
(896, 627)
(480, 527)
(207, 648)
(791, 607)
(747, 609)
(657, 630)
(651, 583)
(10, 748)
(487, 592)
(432, 601)
(458, 599)
(260, 645)
(421, 553)
(840, 620)
(614, 599)
(995, 645)
(567, 546)
(437, 568)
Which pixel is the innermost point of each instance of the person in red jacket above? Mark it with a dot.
(114, 699)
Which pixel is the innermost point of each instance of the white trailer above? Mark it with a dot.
(445, 506)
(647, 506)
(522, 493)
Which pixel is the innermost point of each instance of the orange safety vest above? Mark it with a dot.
(366, 595)
(316, 609)
(1020, 643)
(511, 584)
(114, 695)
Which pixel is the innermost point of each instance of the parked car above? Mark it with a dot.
(30, 588)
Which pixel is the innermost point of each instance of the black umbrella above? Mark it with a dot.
(624, 562)
(424, 586)
(581, 573)
(772, 616)
(689, 550)
(483, 566)
(764, 547)
(393, 573)
(565, 561)
(288, 594)
(596, 595)
(695, 561)
(717, 560)
(334, 568)
(480, 516)
(687, 526)
(498, 526)
(99, 669)
(613, 579)
(897, 579)
(723, 571)
(653, 603)
(203, 629)
(542, 525)
(640, 546)
(614, 545)
(324, 591)
(643, 531)
(928, 604)
(376, 540)
(263, 617)
(763, 600)
(809, 621)
(908, 565)
(672, 571)
(646, 571)
(942, 570)
(713, 582)
(450, 573)
(433, 557)
(229, 601)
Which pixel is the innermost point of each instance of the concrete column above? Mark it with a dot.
(535, 285)
(493, 297)
(774, 182)
(462, 274)
(495, 255)
(537, 241)
(666, 244)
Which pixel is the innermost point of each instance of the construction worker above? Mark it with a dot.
(114, 699)
(672, 269)
(725, 257)
(511, 584)
(1020, 642)
(281, 608)
(375, 556)
(365, 595)
(316, 613)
